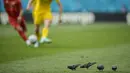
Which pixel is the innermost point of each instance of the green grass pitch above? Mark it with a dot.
(104, 43)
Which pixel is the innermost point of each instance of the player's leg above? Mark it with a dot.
(37, 21)
(18, 28)
(23, 32)
(37, 28)
(37, 33)
(23, 25)
(45, 30)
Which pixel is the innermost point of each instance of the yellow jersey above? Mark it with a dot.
(43, 5)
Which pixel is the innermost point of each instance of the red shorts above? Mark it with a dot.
(15, 24)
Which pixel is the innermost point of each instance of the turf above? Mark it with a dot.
(104, 43)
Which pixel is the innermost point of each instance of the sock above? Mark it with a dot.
(44, 32)
(22, 34)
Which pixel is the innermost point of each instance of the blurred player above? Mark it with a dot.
(15, 15)
(42, 14)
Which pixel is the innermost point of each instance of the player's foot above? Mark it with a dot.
(36, 44)
(28, 42)
(45, 40)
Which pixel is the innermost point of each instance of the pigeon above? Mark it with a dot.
(73, 67)
(87, 65)
(100, 67)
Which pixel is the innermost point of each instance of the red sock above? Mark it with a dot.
(22, 34)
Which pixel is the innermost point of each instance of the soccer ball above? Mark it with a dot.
(32, 38)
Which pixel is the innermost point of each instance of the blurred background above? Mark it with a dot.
(87, 5)
(91, 31)
(84, 11)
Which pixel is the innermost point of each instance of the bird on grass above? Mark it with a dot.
(88, 65)
(73, 67)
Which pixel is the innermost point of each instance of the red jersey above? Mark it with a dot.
(12, 7)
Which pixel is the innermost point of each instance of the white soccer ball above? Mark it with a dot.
(32, 38)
